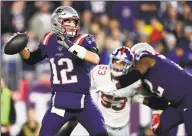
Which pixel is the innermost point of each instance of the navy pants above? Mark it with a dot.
(175, 115)
(89, 117)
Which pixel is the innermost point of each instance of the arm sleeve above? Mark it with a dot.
(39, 54)
(156, 103)
(35, 57)
(131, 77)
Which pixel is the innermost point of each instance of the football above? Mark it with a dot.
(16, 44)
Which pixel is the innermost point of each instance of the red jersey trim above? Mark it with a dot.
(46, 38)
(80, 39)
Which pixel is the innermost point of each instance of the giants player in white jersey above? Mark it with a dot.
(115, 104)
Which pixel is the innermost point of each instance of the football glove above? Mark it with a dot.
(77, 50)
(64, 41)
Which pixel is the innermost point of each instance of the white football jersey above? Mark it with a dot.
(115, 107)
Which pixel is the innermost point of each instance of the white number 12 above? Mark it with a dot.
(63, 72)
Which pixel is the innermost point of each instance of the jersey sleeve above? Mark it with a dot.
(35, 57)
(44, 43)
(40, 53)
(102, 79)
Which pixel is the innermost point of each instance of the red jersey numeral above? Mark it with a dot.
(105, 101)
(102, 70)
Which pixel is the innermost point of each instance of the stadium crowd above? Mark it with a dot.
(167, 26)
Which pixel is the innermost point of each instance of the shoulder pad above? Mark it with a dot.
(102, 79)
(79, 39)
(87, 40)
(90, 39)
(101, 74)
(46, 38)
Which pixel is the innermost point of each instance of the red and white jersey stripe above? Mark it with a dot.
(46, 38)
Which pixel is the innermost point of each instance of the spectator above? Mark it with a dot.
(126, 11)
(31, 127)
(14, 17)
(156, 34)
(38, 89)
(41, 21)
(86, 21)
(98, 8)
(129, 43)
(148, 10)
(170, 18)
(8, 116)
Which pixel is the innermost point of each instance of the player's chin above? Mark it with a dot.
(70, 33)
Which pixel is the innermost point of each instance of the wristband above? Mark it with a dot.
(78, 50)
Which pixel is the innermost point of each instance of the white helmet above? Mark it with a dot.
(121, 55)
(139, 47)
(61, 14)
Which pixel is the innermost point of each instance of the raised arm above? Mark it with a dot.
(88, 54)
(31, 58)
(39, 54)
(156, 103)
(92, 56)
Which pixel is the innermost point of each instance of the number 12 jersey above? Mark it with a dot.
(68, 72)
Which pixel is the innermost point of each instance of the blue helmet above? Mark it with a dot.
(120, 61)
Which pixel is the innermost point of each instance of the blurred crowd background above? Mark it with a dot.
(167, 26)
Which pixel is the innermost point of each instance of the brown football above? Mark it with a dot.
(16, 44)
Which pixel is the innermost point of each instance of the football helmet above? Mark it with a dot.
(61, 14)
(121, 61)
(139, 47)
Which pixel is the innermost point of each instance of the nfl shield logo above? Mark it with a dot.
(60, 48)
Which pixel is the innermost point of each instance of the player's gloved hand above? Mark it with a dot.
(77, 50)
(155, 121)
(64, 41)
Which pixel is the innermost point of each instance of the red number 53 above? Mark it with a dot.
(106, 101)
(102, 70)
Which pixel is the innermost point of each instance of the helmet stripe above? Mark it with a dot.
(123, 50)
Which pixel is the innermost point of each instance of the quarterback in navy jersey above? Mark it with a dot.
(71, 56)
(166, 79)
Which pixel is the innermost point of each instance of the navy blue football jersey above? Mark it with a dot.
(166, 78)
(68, 72)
